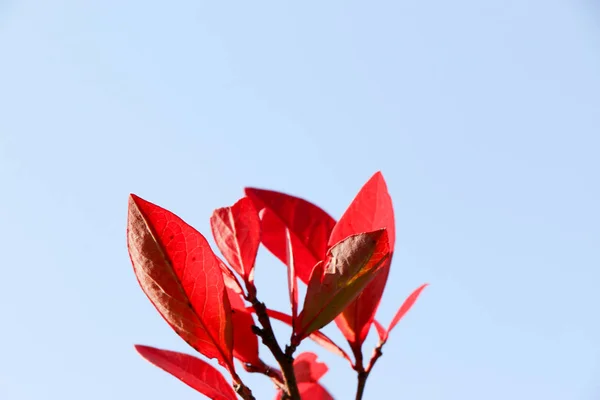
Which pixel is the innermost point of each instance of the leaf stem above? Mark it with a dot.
(241, 389)
(363, 373)
(284, 359)
(264, 369)
(362, 381)
(376, 354)
(358, 366)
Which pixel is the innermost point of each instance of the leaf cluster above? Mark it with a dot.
(213, 303)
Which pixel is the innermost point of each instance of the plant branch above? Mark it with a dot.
(360, 387)
(363, 373)
(272, 373)
(284, 359)
(358, 366)
(241, 389)
(376, 354)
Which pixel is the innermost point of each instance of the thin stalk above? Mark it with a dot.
(362, 381)
(284, 359)
(241, 389)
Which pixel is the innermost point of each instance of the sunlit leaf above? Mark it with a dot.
(245, 342)
(236, 230)
(370, 210)
(190, 370)
(381, 332)
(309, 228)
(308, 369)
(349, 266)
(182, 277)
(404, 308)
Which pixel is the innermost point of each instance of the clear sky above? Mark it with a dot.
(484, 117)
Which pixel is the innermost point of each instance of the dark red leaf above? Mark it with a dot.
(370, 210)
(404, 308)
(236, 230)
(182, 277)
(308, 369)
(350, 265)
(318, 337)
(245, 342)
(309, 226)
(190, 370)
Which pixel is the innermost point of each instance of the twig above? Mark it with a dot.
(376, 354)
(284, 359)
(358, 366)
(363, 373)
(241, 389)
(272, 373)
(362, 380)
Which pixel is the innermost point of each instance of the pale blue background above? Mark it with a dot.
(483, 115)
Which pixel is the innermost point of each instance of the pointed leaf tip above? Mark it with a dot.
(236, 231)
(405, 307)
(182, 277)
(370, 210)
(350, 265)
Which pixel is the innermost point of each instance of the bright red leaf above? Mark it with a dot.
(318, 337)
(308, 224)
(349, 266)
(370, 210)
(381, 332)
(230, 279)
(236, 230)
(309, 391)
(292, 278)
(313, 391)
(245, 342)
(308, 371)
(182, 277)
(190, 370)
(404, 308)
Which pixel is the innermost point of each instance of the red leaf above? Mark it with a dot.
(309, 226)
(308, 369)
(313, 391)
(318, 337)
(245, 342)
(381, 332)
(404, 308)
(370, 210)
(236, 230)
(182, 277)
(190, 370)
(309, 391)
(292, 279)
(350, 265)
(230, 279)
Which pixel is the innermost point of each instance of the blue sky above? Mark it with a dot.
(483, 116)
